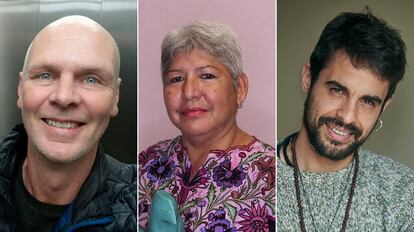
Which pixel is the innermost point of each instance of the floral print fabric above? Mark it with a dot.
(233, 191)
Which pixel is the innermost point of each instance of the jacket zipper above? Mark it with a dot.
(91, 222)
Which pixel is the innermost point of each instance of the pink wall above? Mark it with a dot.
(253, 22)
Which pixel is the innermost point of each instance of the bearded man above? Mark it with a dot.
(325, 180)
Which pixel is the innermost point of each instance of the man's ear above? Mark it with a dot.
(242, 88)
(20, 91)
(114, 111)
(306, 78)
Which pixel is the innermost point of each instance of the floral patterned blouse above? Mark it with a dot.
(233, 191)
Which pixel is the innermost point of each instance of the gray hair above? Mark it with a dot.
(215, 39)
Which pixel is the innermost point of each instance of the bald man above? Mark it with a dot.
(54, 176)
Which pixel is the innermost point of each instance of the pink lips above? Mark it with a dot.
(193, 112)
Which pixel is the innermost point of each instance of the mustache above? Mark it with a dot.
(338, 122)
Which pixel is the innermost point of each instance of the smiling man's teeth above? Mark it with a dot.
(64, 125)
(339, 132)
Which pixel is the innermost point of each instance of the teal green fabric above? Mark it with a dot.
(164, 214)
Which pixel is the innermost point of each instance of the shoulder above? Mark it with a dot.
(265, 147)
(386, 188)
(249, 153)
(257, 146)
(157, 150)
(385, 166)
(122, 180)
(386, 176)
(14, 141)
(15, 138)
(124, 173)
(262, 155)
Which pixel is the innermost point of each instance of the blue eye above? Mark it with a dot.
(91, 80)
(44, 76)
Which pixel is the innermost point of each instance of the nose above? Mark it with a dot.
(191, 88)
(348, 112)
(65, 93)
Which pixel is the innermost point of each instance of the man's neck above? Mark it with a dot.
(54, 183)
(309, 160)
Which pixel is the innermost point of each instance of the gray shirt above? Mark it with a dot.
(383, 198)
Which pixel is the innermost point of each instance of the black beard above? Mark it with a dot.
(316, 140)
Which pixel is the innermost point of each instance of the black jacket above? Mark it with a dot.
(106, 202)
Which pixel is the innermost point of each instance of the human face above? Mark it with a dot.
(67, 92)
(342, 107)
(199, 95)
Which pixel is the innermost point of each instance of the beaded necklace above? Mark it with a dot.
(296, 173)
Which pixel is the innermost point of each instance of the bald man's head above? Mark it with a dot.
(69, 89)
(75, 26)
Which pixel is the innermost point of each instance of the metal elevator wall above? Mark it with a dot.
(20, 20)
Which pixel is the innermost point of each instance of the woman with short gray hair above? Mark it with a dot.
(221, 177)
(215, 39)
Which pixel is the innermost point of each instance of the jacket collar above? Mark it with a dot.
(12, 152)
(14, 149)
(94, 189)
